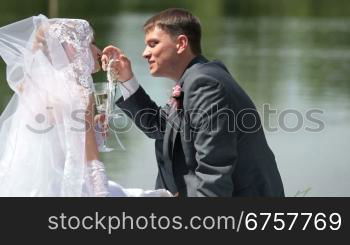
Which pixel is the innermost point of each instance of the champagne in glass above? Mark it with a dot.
(102, 106)
(101, 102)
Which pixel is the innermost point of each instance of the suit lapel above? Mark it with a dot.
(174, 120)
(172, 127)
(176, 129)
(178, 115)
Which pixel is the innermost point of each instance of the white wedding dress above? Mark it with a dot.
(44, 142)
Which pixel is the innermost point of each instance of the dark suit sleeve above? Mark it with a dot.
(145, 113)
(208, 112)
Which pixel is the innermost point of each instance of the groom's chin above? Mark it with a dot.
(155, 73)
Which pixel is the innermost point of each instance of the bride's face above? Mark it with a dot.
(96, 53)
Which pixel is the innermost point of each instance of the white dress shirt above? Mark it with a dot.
(129, 87)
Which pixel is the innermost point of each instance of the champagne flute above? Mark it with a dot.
(103, 107)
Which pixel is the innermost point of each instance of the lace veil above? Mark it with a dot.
(42, 130)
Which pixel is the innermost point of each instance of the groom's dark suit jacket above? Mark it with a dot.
(213, 143)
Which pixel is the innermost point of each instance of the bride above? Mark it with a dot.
(47, 138)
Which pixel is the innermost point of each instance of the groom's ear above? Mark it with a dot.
(182, 43)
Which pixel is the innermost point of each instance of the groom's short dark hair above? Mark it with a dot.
(176, 21)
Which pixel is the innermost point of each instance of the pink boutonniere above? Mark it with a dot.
(176, 97)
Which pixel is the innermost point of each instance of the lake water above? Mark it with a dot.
(293, 66)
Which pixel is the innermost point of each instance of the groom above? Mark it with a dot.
(208, 138)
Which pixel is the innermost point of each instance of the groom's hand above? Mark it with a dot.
(122, 65)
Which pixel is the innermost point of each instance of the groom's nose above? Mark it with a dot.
(146, 53)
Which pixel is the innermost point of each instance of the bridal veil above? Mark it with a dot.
(42, 130)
